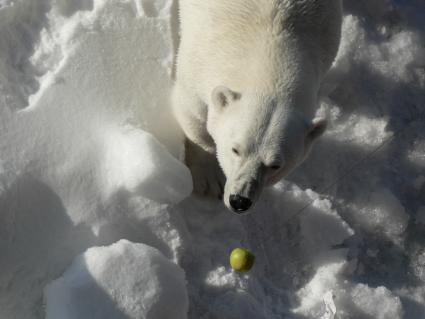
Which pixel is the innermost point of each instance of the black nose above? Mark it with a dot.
(239, 203)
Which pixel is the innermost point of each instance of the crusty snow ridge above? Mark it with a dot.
(96, 217)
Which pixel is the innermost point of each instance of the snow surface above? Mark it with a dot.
(124, 280)
(89, 156)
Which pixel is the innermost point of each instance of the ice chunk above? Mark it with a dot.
(124, 280)
(314, 298)
(330, 308)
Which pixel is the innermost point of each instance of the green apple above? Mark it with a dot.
(241, 259)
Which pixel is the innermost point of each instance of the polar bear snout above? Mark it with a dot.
(242, 193)
(239, 203)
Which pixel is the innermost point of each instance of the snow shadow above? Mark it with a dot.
(388, 13)
(374, 95)
(84, 298)
(381, 261)
(391, 266)
(21, 28)
(68, 8)
(135, 222)
(375, 12)
(36, 234)
(412, 308)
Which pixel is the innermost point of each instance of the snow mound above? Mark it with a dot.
(124, 280)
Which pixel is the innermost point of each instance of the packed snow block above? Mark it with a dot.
(121, 281)
(136, 161)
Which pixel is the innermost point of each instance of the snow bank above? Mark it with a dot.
(89, 155)
(124, 280)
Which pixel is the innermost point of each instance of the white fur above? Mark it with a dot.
(248, 75)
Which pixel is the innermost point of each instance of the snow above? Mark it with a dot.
(417, 154)
(420, 215)
(139, 163)
(124, 280)
(94, 200)
(367, 299)
(383, 213)
(314, 294)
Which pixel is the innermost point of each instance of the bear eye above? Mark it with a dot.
(235, 151)
(275, 167)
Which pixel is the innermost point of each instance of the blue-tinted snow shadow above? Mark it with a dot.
(26, 33)
(84, 298)
(136, 223)
(37, 242)
(402, 105)
(412, 308)
(68, 8)
(378, 13)
(390, 168)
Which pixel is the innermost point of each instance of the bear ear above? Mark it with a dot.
(223, 96)
(317, 128)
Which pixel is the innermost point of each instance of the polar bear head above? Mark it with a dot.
(259, 140)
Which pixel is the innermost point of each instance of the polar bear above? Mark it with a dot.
(248, 74)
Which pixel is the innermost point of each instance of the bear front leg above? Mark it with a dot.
(207, 175)
(191, 114)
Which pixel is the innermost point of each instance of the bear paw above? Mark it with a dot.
(208, 178)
